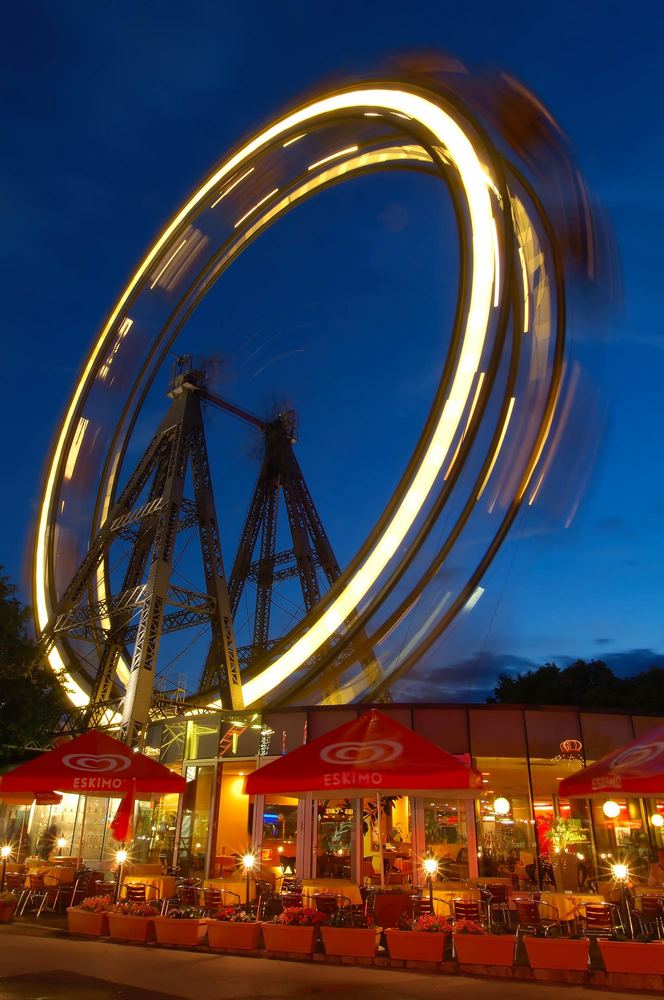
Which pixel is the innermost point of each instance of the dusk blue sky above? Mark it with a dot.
(112, 112)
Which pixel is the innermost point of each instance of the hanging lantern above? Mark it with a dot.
(611, 809)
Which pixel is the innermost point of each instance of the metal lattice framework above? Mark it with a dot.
(498, 397)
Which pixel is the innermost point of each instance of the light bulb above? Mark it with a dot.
(248, 861)
(501, 806)
(657, 819)
(611, 809)
(121, 857)
(5, 851)
(430, 867)
(620, 872)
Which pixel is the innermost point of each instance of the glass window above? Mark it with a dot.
(280, 834)
(195, 819)
(506, 844)
(446, 837)
(620, 835)
(334, 838)
(604, 733)
(388, 833)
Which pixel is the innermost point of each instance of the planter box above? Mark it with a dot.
(557, 953)
(281, 937)
(484, 949)
(7, 912)
(86, 922)
(357, 942)
(234, 936)
(189, 932)
(131, 928)
(416, 946)
(633, 956)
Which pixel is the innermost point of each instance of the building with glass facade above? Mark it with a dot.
(516, 828)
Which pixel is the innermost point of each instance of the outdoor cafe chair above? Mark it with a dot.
(369, 873)
(599, 919)
(530, 918)
(648, 913)
(326, 903)
(135, 892)
(422, 905)
(498, 900)
(36, 894)
(15, 884)
(293, 898)
(187, 895)
(469, 909)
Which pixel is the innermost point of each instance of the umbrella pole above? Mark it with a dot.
(380, 842)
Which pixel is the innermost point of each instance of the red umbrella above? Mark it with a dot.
(372, 754)
(92, 764)
(635, 769)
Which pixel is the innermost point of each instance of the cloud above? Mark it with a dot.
(472, 679)
(633, 661)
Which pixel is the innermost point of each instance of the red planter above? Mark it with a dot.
(86, 922)
(186, 932)
(484, 949)
(633, 956)
(357, 942)
(6, 912)
(416, 946)
(131, 928)
(557, 953)
(285, 937)
(234, 936)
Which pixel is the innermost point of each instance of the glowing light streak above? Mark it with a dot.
(526, 293)
(227, 190)
(503, 432)
(72, 458)
(496, 273)
(480, 380)
(168, 262)
(473, 599)
(289, 142)
(255, 208)
(461, 152)
(333, 156)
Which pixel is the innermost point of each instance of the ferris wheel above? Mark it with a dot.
(483, 448)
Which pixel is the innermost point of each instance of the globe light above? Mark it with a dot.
(121, 856)
(620, 872)
(611, 809)
(5, 851)
(501, 806)
(430, 867)
(657, 819)
(581, 857)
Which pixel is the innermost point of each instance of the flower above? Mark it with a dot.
(300, 916)
(430, 922)
(241, 916)
(135, 909)
(346, 918)
(184, 913)
(96, 904)
(463, 926)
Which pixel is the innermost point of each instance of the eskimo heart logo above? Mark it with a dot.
(99, 763)
(637, 756)
(374, 752)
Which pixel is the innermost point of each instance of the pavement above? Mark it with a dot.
(50, 966)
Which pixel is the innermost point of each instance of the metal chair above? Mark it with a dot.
(530, 919)
(326, 903)
(291, 899)
(468, 909)
(187, 895)
(135, 892)
(36, 894)
(498, 900)
(599, 919)
(649, 915)
(15, 884)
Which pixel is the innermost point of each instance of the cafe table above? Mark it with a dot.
(237, 886)
(156, 887)
(567, 903)
(442, 899)
(336, 886)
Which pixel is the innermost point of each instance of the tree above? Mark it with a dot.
(31, 697)
(586, 684)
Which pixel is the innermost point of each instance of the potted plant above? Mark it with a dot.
(358, 939)
(420, 940)
(234, 930)
(294, 930)
(181, 926)
(473, 945)
(90, 916)
(132, 921)
(557, 952)
(8, 903)
(643, 956)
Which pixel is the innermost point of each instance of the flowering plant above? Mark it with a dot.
(229, 913)
(427, 922)
(345, 918)
(300, 916)
(184, 913)
(135, 909)
(8, 897)
(463, 926)
(96, 904)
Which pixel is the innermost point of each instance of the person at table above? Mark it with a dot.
(47, 842)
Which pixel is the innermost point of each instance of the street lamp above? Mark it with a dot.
(620, 874)
(120, 859)
(430, 869)
(249, 861)
(5, 852)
